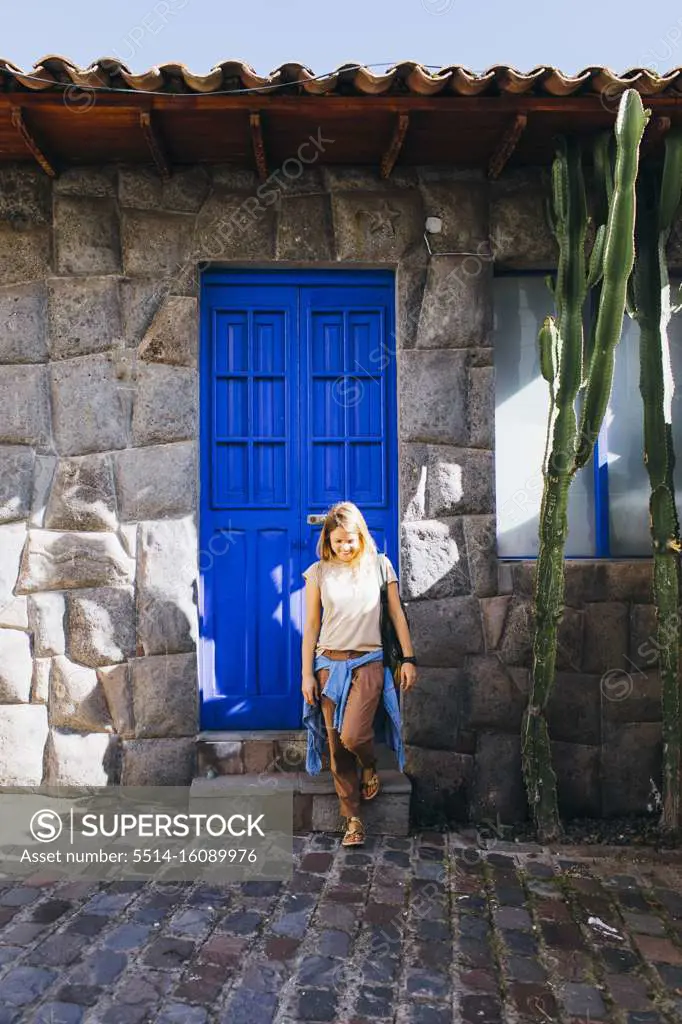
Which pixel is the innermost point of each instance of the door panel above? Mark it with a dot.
(297, 412)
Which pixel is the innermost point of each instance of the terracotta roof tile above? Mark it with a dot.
(407, 78)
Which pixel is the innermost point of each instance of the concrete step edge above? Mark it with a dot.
(393, 782)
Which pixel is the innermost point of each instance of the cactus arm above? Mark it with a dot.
(656, 210)
(595, 270)
(619, 255)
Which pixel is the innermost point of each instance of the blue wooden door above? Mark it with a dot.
(298, 411)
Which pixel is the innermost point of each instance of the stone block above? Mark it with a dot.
(433, 562)
(219, 757)
(22, 323)
(115, 682)
(342, 178)
(578, 783)
(606, 636)
(520, 234)
(43, 474)
(60, 561)
(630, 696)
(453, 481)
(24, 253)
(304, 230)
(86, 181)
(631, 761)
(457, 307)
(40, 684)
(388, 816)
(433, 396)
(156, 482)
(46, 616)
(14, 614)
(481, 407)
(497, 694)
(16, 482)
(434, 712)
(517, 636)
(410, 284)
(480, 538)
(100, 625)
(371, 226)
(627, 581)
(88, 411)
(16, 667)
(494, 614)
(24, 195)
(12, 540)
(140, 299)
(83, 314)
(570, 640)
(23, 732)
(234, 227)
(162, 762)
(139, 188)
(25, 408)
(83, 496)
(81, 759)
(166, 574)
(86, 235)
(445, 630)
(463, 209)
(643, 636)
(156, 244)
(497, 790)
(441, 781)
(76, 700)
(164, 691)
(186, 189)
(574, 709)
(166, 404)
(173, 333)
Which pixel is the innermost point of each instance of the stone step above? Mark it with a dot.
(265, 751)
(316, 806)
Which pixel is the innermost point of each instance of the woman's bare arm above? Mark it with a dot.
(311, 632)
(398, 619)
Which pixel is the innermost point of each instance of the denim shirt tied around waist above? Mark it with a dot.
(387, 726)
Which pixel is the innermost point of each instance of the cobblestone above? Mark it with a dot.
(355, 937)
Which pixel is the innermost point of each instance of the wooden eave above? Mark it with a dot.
(182, 129)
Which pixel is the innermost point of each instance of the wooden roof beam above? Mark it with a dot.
(506, 146)
(396, 144)
(154, 142)
(20, 124)
(258, 145)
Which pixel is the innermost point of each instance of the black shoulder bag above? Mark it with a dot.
(393, 652)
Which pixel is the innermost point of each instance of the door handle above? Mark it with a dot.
(315, 519)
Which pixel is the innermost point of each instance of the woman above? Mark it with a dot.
(349, 694)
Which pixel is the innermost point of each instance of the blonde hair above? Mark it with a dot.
(349, 517)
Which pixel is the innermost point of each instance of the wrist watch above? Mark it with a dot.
(409, 661)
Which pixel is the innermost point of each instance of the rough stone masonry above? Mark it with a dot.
(99, 481)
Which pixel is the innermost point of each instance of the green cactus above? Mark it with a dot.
(658, 197)
(610, 269)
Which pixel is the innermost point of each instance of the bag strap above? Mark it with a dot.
(381, 567)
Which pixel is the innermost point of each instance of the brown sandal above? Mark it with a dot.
(355, 833)
(370, 788)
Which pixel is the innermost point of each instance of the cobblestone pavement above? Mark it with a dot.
(425, 930)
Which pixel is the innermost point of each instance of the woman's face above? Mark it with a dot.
(344, 543)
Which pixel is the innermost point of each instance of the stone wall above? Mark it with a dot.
(99, 474)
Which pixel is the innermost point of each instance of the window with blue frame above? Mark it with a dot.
(608, 503)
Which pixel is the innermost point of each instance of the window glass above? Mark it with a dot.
(521, 410)
(623, 441)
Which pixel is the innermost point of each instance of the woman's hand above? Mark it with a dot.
(311, 689)
(408, 676)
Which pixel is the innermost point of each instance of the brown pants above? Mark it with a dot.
(355, 744)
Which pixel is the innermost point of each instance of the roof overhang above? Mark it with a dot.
(61, 116)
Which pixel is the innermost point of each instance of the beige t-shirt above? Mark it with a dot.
(351, 603)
